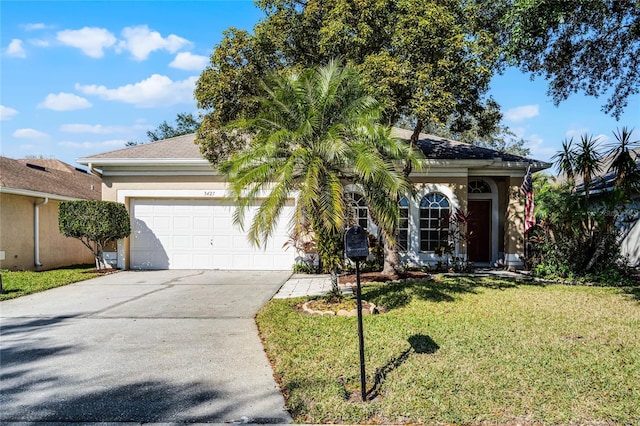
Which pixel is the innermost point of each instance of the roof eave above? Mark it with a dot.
(37, 194)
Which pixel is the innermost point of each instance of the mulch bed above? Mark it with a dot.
(368, 277)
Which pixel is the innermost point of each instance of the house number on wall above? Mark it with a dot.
(209, 193)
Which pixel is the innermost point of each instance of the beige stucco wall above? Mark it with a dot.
(112, 184)
(510, 204)
(514, 232)
(17, 236)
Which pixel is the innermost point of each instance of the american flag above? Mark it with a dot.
(529, 206)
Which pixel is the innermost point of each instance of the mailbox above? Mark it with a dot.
(356, 243)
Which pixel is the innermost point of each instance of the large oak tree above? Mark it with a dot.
(588, 46)
(428, 60)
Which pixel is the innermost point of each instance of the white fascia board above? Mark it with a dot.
(160, 172)
(36, 194)
(151, 166)
(98, 162)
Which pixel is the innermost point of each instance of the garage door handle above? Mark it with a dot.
(211, 242)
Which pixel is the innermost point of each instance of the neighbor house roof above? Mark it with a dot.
(184, 150)
(47, 178)
(605, 179)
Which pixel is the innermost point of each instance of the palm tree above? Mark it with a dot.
(313, 133)
(587, 161)
(564, 160)
(623, 162)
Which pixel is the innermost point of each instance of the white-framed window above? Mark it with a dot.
(435, 210)
(359, 212)
(403, 225)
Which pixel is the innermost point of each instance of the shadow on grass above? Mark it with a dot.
(397, 294)
(633, 291)
(420, 344)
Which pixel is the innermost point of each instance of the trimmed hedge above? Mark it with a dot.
(95, 223)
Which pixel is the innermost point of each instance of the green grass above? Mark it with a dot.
(21, 283)
(464, 350)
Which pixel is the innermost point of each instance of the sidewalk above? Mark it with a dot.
(300, 285)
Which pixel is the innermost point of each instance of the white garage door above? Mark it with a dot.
(200, 234)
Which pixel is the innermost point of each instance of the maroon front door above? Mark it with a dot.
(479, 228)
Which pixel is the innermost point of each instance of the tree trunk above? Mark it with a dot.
(392, 264)
(99, 255)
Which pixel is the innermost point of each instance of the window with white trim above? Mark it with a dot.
(403, 225)
(435, 210)
(359, 212)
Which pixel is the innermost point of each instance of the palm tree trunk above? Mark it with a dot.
(392, 265)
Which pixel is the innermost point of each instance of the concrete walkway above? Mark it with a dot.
(300, 285)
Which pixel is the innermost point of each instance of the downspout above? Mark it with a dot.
(93, 171)
(36, 231)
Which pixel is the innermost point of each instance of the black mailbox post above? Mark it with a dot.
(356, 247)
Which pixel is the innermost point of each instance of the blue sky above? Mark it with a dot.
(83, 77)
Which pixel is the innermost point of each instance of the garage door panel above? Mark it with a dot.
(202, 242)
(161, 223)
(185, 234)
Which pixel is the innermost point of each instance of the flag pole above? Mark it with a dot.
(527, 188)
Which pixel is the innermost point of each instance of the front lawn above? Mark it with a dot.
(464, 350)
(21, 283)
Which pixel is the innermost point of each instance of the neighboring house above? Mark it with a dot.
(30, 191)
(181, 219)
(629, 222)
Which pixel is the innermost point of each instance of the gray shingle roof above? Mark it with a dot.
(437, 148)
(49, 177)
(185, 147)
(180, 147)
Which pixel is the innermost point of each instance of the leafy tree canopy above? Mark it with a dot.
(185, 124)
(578, 45)
(428, 60)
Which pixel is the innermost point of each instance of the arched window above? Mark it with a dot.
(479, 187)
(403, 225)
(434, 221)
(359, 212)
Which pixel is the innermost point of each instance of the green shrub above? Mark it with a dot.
(94, 223)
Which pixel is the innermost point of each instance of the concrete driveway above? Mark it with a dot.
(153, 346)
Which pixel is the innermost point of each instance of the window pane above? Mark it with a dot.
(434, 221)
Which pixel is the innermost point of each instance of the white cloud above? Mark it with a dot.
(521, 113)
(141, 41)
(39, 43)
(90, 40)
(97, 146)
(33, 27)
(538, 149)
(157, 90)
(99, 129)
(602, 139)
(30, 134)
(64, 102)
(578, 133)
(189, 61)
(7, 113)
(15, 49)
